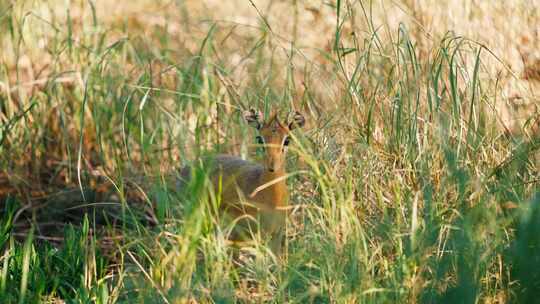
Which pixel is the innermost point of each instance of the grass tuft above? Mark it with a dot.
(414, 181)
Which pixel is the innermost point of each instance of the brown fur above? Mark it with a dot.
(252, 191)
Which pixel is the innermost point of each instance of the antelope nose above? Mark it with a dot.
(271, 169)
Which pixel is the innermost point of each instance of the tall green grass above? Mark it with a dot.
(407, 189)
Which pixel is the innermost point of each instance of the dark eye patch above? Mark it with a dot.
(286, 141)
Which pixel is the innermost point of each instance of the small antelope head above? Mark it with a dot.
(274, 136)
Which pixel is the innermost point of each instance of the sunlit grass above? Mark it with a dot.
(407, 186)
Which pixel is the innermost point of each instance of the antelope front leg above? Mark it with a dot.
(274, 227)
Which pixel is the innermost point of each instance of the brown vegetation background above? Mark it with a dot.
(300, 35)
(509, 29)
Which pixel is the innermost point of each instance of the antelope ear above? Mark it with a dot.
(254, 118)
(297, 121)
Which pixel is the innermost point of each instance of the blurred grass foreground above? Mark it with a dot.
(416, 176)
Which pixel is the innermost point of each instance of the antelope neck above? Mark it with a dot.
(269, 176)
(278, 190)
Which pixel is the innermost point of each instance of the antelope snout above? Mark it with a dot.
(270, 165)
(274, 163)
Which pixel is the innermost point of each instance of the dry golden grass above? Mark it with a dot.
(509, 30)
(423, 123)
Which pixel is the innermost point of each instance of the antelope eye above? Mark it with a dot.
(259, 140)
(286, 141)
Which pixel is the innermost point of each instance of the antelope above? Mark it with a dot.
(252, 190)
